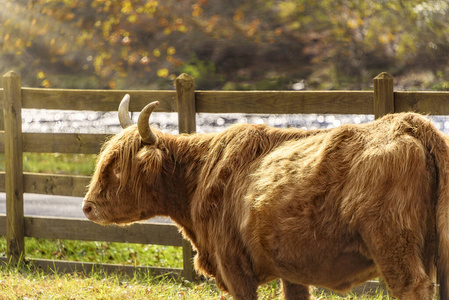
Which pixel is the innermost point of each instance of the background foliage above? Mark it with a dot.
(225, 44)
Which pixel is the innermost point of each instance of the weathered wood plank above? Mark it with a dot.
(85, 230)
(2, 225)
(87, 268)
(2, 182)
(1, 99)
(185, 98)
(62, 266)
(188, 266)
(434, 103)
(383, 95)
(2, 120)
(185, 91)
(95, 100)
(14, 166)
(2, 116)
(63, 142)
(60, 142)
(285, 102)
(2, 141)
(52, 184)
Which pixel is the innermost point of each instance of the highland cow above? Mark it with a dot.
(330, 208)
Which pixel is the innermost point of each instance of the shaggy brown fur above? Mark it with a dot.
(330, 208)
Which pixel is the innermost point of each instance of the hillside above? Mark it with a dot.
(226, 45)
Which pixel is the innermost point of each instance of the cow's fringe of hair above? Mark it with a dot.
(119, 152)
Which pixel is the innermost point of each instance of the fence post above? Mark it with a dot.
(2, 120)
(185, 99)
(383, 95)
(12, 107)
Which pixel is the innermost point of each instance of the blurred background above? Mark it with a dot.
(226, 45)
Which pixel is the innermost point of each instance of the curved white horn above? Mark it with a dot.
(123, 112)
(143, 124)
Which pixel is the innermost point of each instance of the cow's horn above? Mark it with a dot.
(148, 137)
(123, 112)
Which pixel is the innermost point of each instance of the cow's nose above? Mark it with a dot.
(87, 209)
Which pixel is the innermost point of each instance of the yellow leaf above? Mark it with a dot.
(46, 83)
(390, 37)
(171, 51)
(197, 10)
(182, 29)
(352, 24)
(112, 85)
(278, 31)
(162, 73)
(40, 75)
(383, 39)
(157, 52)
(238, 15)
(127, 7)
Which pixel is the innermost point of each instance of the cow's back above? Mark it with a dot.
(311, 202)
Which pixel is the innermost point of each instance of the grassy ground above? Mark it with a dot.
(27, 283)
(101, 252)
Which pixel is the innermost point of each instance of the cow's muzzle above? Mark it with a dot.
(89, 210)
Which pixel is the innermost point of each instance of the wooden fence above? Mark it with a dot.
(187, 102)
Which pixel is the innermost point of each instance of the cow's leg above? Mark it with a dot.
(293, 291)
(236, 274)
(398, 257)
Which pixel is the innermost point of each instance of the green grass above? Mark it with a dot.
(26, 282)
(101, 252)
(29, 282)
(74, 164)
(55, 163)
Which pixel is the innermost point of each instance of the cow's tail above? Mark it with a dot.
(438, 146)
(441, 154)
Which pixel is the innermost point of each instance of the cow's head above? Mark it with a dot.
(128, 166)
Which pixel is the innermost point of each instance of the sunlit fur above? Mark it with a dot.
(330, 208)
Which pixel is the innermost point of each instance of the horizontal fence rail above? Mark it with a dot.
(251, 102)
(285, 102)
(95, 100)
(60, 142)
(84, 230)
(186, 102)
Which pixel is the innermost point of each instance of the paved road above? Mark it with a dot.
(55, 206)
(48, 206)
